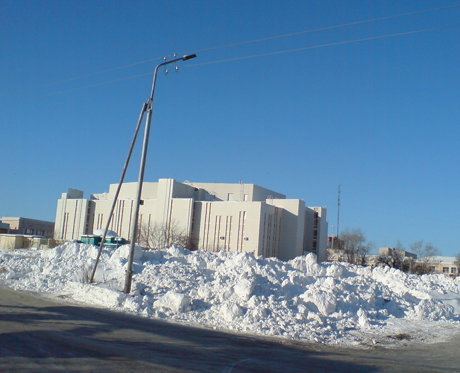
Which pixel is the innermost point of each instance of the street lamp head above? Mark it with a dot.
(188, 57)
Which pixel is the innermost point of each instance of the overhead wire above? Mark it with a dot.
(234, 45)
(325, 28)
(83, 76)
(240, 58)
(320, 46)
(77, 89)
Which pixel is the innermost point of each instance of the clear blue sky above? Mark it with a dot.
(380, 117)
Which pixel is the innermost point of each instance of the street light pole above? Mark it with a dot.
(129, 272)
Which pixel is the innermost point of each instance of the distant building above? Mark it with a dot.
(445, 265)
(233, 217)
(29, 226)
(4, 228)
(25, 241)
(391, 251)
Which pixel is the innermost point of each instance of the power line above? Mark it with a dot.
(81, 77)
(320, 46)
(234, 45)
(240, 58)
(325, 28)
(77, 89)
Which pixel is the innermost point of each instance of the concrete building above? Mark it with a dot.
(4, 228)
(391, 251)
(29, 226)
(233, 217)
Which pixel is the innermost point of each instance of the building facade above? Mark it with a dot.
(233, 217)
(445, 264)
(29, 226)
(4, 228)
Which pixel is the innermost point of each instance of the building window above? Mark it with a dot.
(453, 270)
(40, 232)
(445, 269)
(29, 231)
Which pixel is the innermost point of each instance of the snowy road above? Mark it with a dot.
(40, 335)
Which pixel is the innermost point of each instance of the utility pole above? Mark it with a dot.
(147, 107)
(129, 271)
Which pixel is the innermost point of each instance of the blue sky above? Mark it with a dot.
(380, 117)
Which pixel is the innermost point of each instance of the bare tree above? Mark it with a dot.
(425, 256)
(355, 246)
(457, 260)
(394, 259)
(158, 236)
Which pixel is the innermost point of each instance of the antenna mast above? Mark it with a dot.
(338, 211)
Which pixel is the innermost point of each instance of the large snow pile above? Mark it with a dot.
(333, 303)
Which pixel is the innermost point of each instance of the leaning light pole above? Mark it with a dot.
(129, 271)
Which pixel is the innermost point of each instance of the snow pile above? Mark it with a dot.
(334, 303)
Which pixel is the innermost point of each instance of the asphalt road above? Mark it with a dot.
(38, 335)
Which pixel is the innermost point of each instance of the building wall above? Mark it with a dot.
(4, 228)
(292, 227)
(229, 226)
(316, 227)
(20, 241)
(73, 217)
(237, 192)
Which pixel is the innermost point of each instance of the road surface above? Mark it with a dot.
(39, 335)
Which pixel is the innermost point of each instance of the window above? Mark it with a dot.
(40, 232)
(453, 270)
(445, 269)
(29, 231)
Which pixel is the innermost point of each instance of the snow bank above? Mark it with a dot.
(333, 303)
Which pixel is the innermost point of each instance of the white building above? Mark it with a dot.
(235, 217)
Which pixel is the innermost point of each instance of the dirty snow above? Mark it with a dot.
(331, 303)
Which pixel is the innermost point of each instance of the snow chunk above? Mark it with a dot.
(308, 264)
(325, 301)
(244, 288)
(230, 311)
(174, 301)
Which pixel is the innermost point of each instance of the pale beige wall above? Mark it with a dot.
(162, 210)
(271, 221)
(13, 223)
(322, 232)
(128, 191)
(71, 218)
(292, 227)
(181, 214)
(239, 192)
(230, 226)
(261, 194)
(9, 242)
(181, 190)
